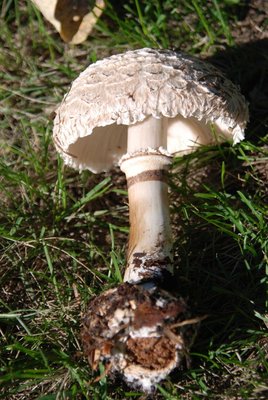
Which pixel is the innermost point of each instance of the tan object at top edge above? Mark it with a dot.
(72, 19)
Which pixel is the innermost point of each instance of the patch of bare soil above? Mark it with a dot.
(253, 22)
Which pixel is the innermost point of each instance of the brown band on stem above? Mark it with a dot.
(152, 175)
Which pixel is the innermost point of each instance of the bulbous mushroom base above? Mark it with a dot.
(137, 332)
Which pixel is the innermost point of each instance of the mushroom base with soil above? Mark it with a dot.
(138, 331)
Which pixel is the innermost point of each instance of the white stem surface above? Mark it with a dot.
(150, 133)
(149, 248)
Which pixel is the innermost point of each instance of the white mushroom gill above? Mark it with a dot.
(102, 147)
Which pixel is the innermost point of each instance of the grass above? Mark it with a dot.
(63, 235)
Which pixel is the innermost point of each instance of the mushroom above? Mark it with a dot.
(137, 110)
(73, 19)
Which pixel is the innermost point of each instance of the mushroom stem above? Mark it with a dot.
(149, 248)
(150, 133)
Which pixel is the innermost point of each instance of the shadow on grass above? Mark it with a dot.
(221, 274)
(221, 271)
(247, 66)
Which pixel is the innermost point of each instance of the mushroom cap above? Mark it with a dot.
(73, 19)
(90, 127)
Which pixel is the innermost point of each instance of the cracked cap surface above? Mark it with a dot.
(90, 127)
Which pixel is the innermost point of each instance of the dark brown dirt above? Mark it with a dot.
(141, 309)
(252, 23)
(151, 353)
